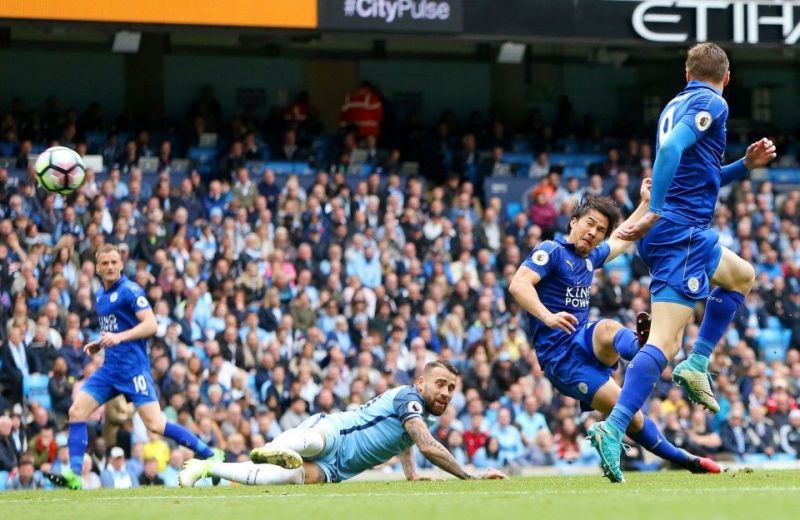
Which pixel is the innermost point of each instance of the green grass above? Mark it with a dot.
(758, 495)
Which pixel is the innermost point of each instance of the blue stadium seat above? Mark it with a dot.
(773, 343)
(38, 148)
(521, 145)
(202, 154)
(567, 145)
(34, 388)
(579, 172)
(95, 140)
(256, 168)
(560, 159)
(512, 208)
(517, 157)
(289, 167)
(784, 175)
(7, 148)
(773, 323)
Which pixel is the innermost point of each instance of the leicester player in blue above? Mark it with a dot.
(336, 447)
(126, 321)
(680, 247)
(553, 285)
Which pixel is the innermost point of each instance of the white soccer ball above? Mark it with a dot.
(60, 170)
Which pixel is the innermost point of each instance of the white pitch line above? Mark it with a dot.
(616, 490)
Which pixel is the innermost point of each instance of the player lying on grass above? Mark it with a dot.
(336, 447)
(553, 285)
(681, 248)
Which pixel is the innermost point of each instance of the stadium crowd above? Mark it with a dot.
(276, 301)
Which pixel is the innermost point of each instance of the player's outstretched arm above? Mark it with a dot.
(758, 155)
(409, 468)
(618, 245)
(438, 454)
(523, 289)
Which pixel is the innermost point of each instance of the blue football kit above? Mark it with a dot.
(126, 369)
(682, 249)
(361, 439)
(567, 359)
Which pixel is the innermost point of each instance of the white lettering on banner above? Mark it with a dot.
(746, 19)
(392, 10)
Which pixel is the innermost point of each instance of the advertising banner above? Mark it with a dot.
(289, 14)
(410, 16)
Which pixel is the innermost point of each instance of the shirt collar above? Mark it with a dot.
(563, 242)
(694, 84)
(122, 278)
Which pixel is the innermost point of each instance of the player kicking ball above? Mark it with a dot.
(553, 285)
(337, 447)
(126, 321)
(680, 247)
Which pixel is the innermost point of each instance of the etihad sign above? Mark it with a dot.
(665, 20)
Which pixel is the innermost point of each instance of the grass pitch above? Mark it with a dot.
(676, 495)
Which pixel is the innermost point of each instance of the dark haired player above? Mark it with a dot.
(553, 285)
(336, 447)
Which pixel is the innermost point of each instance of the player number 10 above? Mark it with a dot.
(140, 384)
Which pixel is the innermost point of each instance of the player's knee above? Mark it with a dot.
(606, 330)
(637, 423)
(154, 424)
(746, 278)
(76, 414)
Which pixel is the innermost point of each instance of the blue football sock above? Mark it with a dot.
(77, 440)
(626, 343)
(651, 439)
(720, 309)
(186, 438)
(641, 377)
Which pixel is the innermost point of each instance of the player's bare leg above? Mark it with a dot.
(83, 406)
(289, 448)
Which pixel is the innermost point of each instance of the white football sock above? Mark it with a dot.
(256, 474)
(306, 442)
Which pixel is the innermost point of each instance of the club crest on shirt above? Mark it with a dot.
(703, 120)
(540, 257)
(693, 284)
(583, 388)
(113, 297)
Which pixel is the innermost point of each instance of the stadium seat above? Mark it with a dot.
(521, 145)
(579, 172)
(7, 148)
(773, 343)
(256, 168)
(202, 154)
(289, 167)
(95, 141)
(512, 208)
(34, 388)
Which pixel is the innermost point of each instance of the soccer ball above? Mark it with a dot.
(60, 170)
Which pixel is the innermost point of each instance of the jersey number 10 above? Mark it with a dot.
(140, 384)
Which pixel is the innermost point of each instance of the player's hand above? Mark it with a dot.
(494, 474)
(644, 191)
(563, 321)
(109, 339)
(760, 153)
(92, 348)
(639, 229)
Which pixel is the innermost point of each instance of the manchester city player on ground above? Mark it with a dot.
(681, 248)
(336, 447)
(578, 356)
(126, 320)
